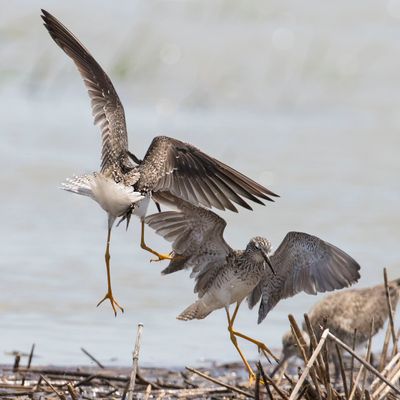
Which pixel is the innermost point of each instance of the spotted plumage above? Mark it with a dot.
(223, 276)
(171, 169)
(345, 312)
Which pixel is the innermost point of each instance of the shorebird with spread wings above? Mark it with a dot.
(125, 184)
(225, 276)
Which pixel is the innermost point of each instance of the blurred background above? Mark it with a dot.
(302, 97)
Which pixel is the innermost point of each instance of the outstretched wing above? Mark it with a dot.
(106, 107)
(306, 263)
(197, 240)
(186, 172)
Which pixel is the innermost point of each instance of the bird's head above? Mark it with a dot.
(259, 248)
(289, 348)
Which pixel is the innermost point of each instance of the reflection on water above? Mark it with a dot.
(304, 103)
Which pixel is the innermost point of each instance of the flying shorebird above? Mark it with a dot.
(344, 313)
(170, 167)
(225, 276)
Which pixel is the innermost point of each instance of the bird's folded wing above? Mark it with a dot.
(306, 263)
(106, 106)
(196, 235)
(186, 172)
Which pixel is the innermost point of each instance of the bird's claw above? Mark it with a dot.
(162, 257)
(114, 303)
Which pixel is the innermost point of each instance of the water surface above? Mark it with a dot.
(304, 100)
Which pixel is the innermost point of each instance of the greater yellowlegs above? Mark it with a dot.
(344, 313)
(225, 276)
(170, 167)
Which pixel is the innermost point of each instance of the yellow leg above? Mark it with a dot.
(259, 344)
(252, 375)
(150, 250)
(109, 294)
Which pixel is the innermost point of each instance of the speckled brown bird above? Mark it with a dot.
(225, 276)
(345, 312)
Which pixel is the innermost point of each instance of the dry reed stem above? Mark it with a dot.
(390, 310)
(367, 365)
(95, 360)
(390, 371)
(393, 379)
(385, 348)
(147, 393)
(135, 362)
(301, 343)
(282, 372)
(386, 370)
(218, 382)
(314, 344)
(309, 365)
(342, 371)
(368, 358)
(352, 359)
(267, 379)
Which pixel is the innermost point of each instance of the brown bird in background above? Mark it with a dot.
(344, 313)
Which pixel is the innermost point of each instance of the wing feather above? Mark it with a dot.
(197, 240)
(191, 175)
(306, 263)
(107, 109)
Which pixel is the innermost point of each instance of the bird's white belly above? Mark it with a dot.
(115, 198)
(141, 207)
(232, 291)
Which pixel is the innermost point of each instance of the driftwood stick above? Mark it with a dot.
(72, 392)
(95, 360)
(367, 365)
(29, 361)
(65, 373)
(218, 382)
(311, 361)
(11, 395)
(135, 360)
(61, 396)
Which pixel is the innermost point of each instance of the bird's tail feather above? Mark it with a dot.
(79, 185)
(197, 310)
